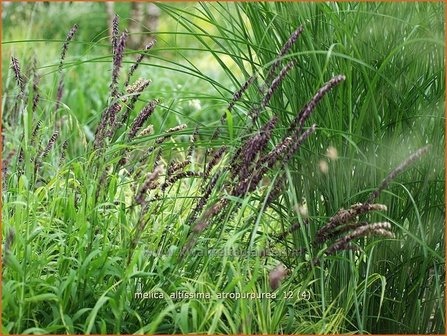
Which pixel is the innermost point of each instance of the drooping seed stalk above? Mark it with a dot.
(245, 161)
(378, 229)
(176, 166)
(35, 131)
(204, 198)
(194, 138)
(276, 82)
(64, 150)
(60, 92)
(147, 131)
(284, 50)
(178, 177)
(257, 109)
(297, 124)
(344, 216)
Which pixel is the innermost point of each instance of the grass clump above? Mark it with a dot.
(105, 211)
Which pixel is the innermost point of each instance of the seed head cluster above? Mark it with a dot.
(221, 175)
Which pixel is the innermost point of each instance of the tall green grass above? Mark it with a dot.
(67, 271)
(392, 101)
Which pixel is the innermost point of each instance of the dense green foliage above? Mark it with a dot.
(69, 268)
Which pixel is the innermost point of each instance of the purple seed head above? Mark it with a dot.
(138, 61)
(35, 130)
(145, 113)
(36, 99)
(238, 94)
(149, 184)
(285, 48)
(396, 171)
(276, 82)
(176, 166)
(115, 33)
(50, 144)
(171, 180)
(204, 198)
(64, 149)
(344, 216)
(297, 124)
(169, 132)
(60, 92)
(16, 69)
(214, 160)
(135, 90)
(117, 62)
(68, 39)
(378, 229)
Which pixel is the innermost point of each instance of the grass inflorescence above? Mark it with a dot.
(290, 191)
